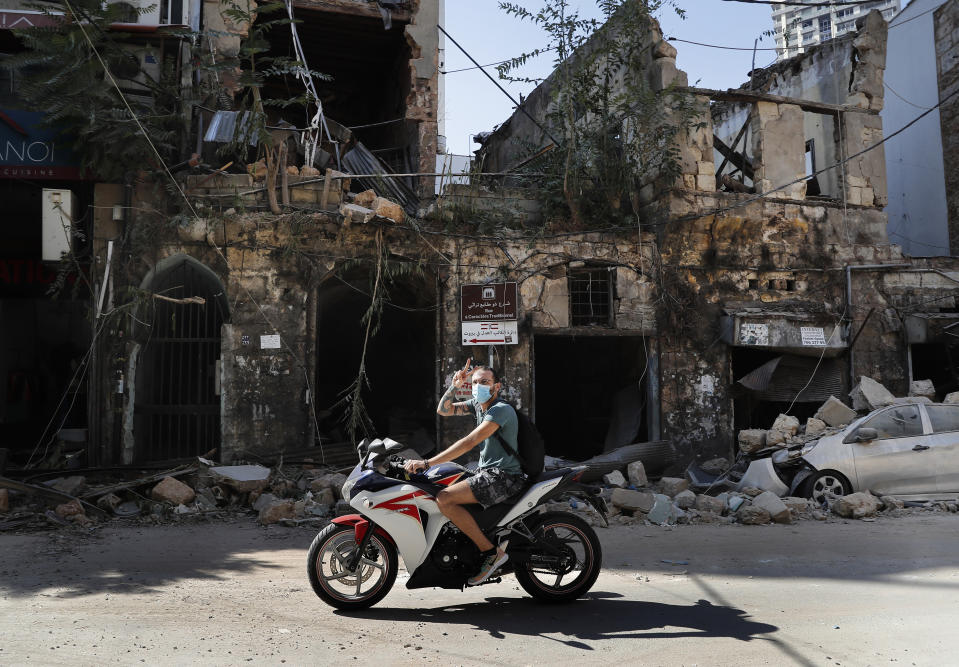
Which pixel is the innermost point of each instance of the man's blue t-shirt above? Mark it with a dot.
(493, 453)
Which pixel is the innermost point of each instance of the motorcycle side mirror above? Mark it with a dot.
(866, 434)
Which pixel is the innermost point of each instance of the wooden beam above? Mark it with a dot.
(732, 156)
(352, 7)
(752, 96)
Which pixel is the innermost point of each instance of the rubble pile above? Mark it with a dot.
(290, 495)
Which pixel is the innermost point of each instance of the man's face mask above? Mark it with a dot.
(481, 392)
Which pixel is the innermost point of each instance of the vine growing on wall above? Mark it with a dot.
(613, 132)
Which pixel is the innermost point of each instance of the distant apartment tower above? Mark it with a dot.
(797, 27)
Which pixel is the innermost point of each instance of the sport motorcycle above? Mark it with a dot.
(353, 561)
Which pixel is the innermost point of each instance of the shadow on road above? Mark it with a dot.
(601, 616)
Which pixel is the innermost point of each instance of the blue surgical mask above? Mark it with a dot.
(481, 393)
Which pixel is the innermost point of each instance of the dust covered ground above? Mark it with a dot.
(229, 592)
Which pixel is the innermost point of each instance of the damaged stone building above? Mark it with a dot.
(757, 276)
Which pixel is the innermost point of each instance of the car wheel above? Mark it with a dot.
(824, 484)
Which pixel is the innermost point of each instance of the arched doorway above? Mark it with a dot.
(400, 358)
(177, 402)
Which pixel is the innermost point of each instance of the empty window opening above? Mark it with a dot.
(938, 362)
(591, 296)
(590, 393)
(400, 361)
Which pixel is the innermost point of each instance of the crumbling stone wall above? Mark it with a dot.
(946, 20)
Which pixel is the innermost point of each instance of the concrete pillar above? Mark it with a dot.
(778, 149)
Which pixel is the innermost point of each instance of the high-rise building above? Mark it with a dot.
(797, 27)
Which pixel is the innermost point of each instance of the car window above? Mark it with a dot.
(898, 422)
(943, 417)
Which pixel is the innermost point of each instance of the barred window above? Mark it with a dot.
(591, 290)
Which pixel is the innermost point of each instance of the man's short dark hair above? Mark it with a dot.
(487, 368)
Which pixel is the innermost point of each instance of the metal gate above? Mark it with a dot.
(177, 404)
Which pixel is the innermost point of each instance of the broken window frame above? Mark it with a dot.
(600, 280)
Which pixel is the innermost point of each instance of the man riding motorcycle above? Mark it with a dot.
(500, 474)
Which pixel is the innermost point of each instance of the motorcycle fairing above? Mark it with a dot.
(360, 525)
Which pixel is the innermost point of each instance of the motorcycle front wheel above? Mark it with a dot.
(332, 580)
(565, 560)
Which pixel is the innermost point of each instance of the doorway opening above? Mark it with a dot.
(591, 393)
(177, 403)
(938, 362)
(400, 359)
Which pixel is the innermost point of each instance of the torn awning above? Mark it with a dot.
(785, 378)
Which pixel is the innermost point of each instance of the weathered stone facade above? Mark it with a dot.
(946, 20)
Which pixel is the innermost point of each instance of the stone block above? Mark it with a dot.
(242, 479)
(751, 440)
(715, 466)
(777, 509)
(333, 481)
(856, 505)
(661, 511)
(835, 413)
(325, 496)
(353, 213)
(70, 485)
(276, 512)
(73, 511)
(891, 503)
(636, 473)
(705, 183)
(671, 486)
(263, 500)
(685, 499)
(786, 424)
(815, 426)
(774, 437)
(870, 395)
(614, 478)
(796, 505)
(365, 199)
(952, 397)
(384, 208)
(633, 501)
(664, 49)
(750, 515)
(922, 388)
(706, 503)
(173, 491)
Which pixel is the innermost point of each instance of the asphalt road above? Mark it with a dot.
(231, 593)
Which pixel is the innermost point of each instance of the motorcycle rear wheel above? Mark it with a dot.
(335, 584)
(563, 577)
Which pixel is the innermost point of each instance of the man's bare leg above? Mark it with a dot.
(450, 501)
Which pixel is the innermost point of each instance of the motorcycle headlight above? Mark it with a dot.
(347, 487)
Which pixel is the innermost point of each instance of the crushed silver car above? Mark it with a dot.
(910, 450)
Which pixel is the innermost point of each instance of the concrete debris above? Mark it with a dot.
(72, 511)
(671, 486)
(365, 199)
(172, 491)
(750, 515)
(127, 509)
(263, 501)
(632, 501)
(706, 503)
(891, 503)
(4, 500)
(835, 413)
(715, 466)
(923, 388)
(796, 505)
(325, 496)
(777, 509)
(183, 509)
(775, 437)
(69, 485)
(952, 397)
(685, 499)
(751, 440)
(242, 479)
(352, 213)
(814, 426)
(856, 505)
(869, 395)
(636, 473)
(751, 491)
(332, 481)
(275, 512)
(661, 511)
(786, 424)
(109, 502)
(733, 503)
(384, 208)
(614, 478)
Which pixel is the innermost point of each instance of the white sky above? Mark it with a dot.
(474, 104)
